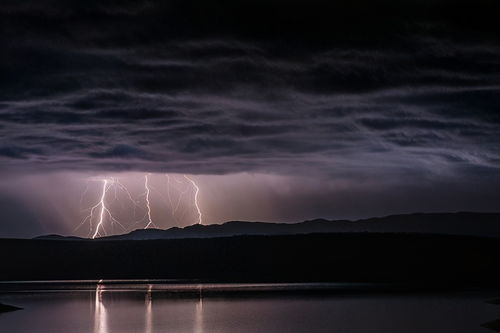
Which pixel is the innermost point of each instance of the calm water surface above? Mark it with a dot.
(156, 307)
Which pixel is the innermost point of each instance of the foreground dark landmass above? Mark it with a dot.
(493, 325)
(399, 259)
(8, 308)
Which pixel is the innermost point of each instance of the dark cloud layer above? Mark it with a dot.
(352, 89)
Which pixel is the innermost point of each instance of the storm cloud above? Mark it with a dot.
(219, 106)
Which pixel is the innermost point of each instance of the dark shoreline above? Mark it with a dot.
(8, 308)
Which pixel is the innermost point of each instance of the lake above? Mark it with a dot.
(166, 306)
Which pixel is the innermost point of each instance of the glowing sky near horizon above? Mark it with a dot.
(59, 202)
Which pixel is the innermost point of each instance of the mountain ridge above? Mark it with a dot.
(457, 223)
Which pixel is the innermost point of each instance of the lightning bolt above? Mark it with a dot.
(179, 199)
(148, 204)
(104, 211)
(197, 191)
(103, 208)
(100, 211)
(129, 196)
(169, 196)
(174, 206)
(168, 190)
(84, 193)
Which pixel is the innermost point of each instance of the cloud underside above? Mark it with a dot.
(127, 97)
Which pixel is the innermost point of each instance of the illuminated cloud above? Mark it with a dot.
(208, 115)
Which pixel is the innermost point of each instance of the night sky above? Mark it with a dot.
(279, 110)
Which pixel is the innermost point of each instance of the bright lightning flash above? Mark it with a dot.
(103, 209)
(174, 206)
(100, 212)
(148, 204)
(197, 191)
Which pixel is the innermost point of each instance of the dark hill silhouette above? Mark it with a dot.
(463, 223)
(58, 237)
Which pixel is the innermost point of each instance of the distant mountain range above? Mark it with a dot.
(462, 223)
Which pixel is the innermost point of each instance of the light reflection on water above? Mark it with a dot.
(148, 328)
(100, 312)
(198, 319)
(161, 308)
